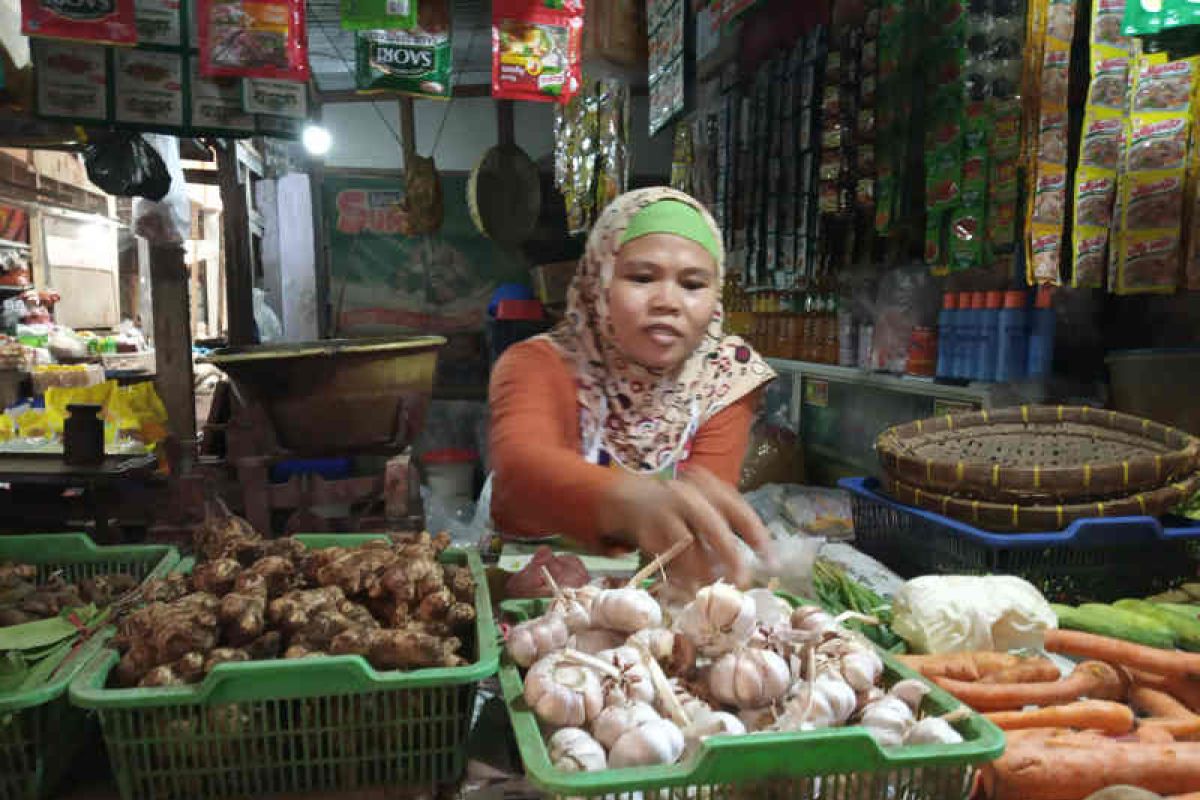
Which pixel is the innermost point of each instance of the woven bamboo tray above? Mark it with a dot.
(1016, 518)
(1038, 454)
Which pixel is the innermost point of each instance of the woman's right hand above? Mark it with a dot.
(653, 514)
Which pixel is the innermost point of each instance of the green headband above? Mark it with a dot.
(672, 216)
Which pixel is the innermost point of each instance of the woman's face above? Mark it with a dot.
(661, 299)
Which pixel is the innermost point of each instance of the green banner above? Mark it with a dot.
(384, 281)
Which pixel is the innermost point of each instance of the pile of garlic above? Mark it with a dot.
(622, 682)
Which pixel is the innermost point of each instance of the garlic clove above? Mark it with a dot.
(615, 721)
(595, 640)
(626, 609)
(573, 750)
(656, 742)
(932, 730)
(862, 669)
(911, 692)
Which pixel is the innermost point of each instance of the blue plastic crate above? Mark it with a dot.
(1091, 560)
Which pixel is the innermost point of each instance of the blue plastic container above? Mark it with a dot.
(1012, 339)
(1041, 335)
(971, 316)
(989, 332)
(947, 335)
(1092, 559)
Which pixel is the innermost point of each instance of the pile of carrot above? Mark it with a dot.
(1129, 714)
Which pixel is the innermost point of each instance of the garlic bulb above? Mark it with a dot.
(634, 682)
(870, 696)
(826, 702)
(812, 621)
(562, 693)
(575, 606)
(932, 730)
(573, 750)
(615, 721)
(675, 651)
(626, 609)
(862, 668)
(757, 719)
(532, 639)
(657, 741)
(593, 640)
(691, 705)
(911, 691)
(888, 721)
(769, 608)
(719, 619)
(711, 723)
(749, 678)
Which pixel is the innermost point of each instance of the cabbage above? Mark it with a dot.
(959, 613)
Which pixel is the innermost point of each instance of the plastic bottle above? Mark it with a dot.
(972, 318)
(989, 335)
(1013, 337)
(1041, 334)
(960, 350)
(947, 334)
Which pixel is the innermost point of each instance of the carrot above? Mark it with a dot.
(1184, 690)
(1030, 670)
(1188, 796)
(1154, 703)
(1184, 729)
(961, 666)
(1100, 715)
(1032, 770)
(1092, 679)
(1171, 663)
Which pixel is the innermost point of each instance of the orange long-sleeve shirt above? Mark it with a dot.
(541, 482)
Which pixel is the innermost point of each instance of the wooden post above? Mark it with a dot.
(239, 278)
(173, 349)
(408, 130)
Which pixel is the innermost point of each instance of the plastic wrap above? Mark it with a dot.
(591, 151)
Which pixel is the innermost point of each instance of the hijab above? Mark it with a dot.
(641, 414)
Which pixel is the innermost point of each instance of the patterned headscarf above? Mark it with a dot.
(642, 414)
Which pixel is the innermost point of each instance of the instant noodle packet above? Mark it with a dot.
(536, 50)
(253, 39)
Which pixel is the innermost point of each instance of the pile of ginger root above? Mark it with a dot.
(249, 598)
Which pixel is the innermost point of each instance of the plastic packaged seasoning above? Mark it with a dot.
(1046, 253)
(1050, 196)
(1157, 144)
(1052, 139)
(1106, 24)
(1153, 199)
(1089, 256)
(535, 52)
(253, 39)
(368, 14)
(108, 21)
(1093, 202)
(1100, 146)
(1163, 87)
(410, 62)
(1109, 83)
(1150, 262)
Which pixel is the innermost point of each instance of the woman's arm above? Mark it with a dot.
(541, 483)
(720, 444)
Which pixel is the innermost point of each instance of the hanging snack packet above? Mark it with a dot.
(1098, 178)
(536, 52)
(358, 15)
(410, 62)
(253, 39)
(108, 21)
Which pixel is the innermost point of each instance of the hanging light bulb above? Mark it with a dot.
(316, 140)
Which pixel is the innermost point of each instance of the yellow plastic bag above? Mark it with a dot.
(34, 424)
(58, 398)
(137, 412)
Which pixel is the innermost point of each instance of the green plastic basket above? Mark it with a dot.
(834, 764)
(265, 727)
(40, 732)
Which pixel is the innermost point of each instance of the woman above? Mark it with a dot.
(626, 424)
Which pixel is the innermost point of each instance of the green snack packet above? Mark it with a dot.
(358, 15)
(409, 62)
(1142, 17)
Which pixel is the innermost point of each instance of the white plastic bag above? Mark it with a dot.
(169, 220)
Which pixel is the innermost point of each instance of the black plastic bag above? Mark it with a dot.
(124, 164)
